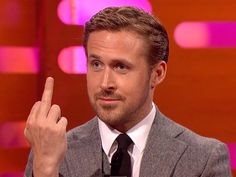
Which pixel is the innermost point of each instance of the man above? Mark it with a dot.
(127, 52)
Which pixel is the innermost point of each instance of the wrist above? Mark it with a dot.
(45, 168)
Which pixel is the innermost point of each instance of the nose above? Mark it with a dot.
(108, 80)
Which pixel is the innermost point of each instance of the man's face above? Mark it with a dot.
(118, 78)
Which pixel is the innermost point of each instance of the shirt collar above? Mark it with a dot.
(138, 133)
(108, 135)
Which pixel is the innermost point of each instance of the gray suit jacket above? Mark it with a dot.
(171, 151)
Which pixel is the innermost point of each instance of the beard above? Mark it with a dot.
(120, 113)
(108, 113)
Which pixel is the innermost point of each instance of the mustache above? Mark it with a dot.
(108, 94)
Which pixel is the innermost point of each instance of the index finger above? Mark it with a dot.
(47, 96)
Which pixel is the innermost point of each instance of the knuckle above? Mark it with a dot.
(37, 103)
(65, 121)
(25, 132)
(54, 113)
(42, 126)
(29, 124)
(56, 107)
(47, 128)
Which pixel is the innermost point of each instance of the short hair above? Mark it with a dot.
(132, 19)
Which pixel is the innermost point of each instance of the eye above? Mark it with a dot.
(122, 68)
(96, 65)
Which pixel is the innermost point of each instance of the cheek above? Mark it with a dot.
(134, 86)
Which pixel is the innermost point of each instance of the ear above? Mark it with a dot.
(158, 73)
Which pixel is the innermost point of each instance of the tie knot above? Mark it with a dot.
(123, 141)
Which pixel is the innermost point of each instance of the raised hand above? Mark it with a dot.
(46, 132)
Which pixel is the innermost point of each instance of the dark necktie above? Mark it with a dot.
(120, 162)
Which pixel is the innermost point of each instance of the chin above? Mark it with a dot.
(111, 115)
(110, 119)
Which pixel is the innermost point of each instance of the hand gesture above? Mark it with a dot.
(46, 132)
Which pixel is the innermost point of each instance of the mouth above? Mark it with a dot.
(107, 100)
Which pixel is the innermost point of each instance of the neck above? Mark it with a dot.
(134, 120)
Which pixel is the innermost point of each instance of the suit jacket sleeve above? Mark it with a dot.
(29, 166)
(218, 162)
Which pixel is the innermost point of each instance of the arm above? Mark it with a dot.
(46, 132)
(218, 162)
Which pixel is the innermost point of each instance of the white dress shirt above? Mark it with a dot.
(138, 134)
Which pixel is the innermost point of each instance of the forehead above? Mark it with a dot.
(118, 41)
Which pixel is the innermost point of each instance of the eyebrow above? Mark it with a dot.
(94, 56)
(113, 61)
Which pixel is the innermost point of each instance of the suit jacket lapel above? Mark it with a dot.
(162, 150)
(87, 150)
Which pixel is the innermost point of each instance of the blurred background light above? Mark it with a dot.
(80, 11)
(72, 60)
(12, 174)
(232, 151)
(12, 135)
(206, 34)
(18, 60)
(6, 10)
